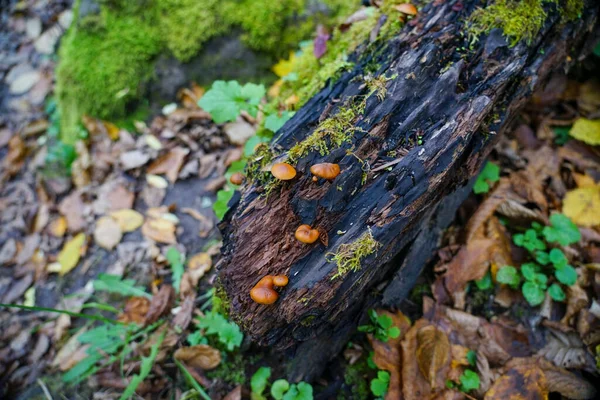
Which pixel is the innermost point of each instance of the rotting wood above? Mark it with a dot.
(456, 103)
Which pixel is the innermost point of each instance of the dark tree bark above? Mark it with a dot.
(421, 147)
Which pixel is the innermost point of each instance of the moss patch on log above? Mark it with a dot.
(348, 256)
(519, 20)
(104, 58)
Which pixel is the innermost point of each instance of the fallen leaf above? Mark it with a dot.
(200, 356)
(235, 394)
(587, 131)
(387, 354)
(520, 382)
(285, 67)
(128, 220)
(119, 198)
(58, 227)
(71, 207)
(70, 254)
(169, 164)
(186, 310)
(566, 350)
(111, 129)
(157, 181)
(239, 131)
(320, 42)
(107, 233)
(41, 218)
(161, 303)
(414, 384)
(568, 384)
(133, 159)
(582, 205)
(135, 310)
(159, 230)
(433, 352)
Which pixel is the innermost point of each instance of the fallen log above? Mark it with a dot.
(409, 139)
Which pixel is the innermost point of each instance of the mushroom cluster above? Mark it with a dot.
(264, 293)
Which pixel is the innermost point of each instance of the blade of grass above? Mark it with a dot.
(72, 314)
(192, 380)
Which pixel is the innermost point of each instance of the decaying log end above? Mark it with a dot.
(418, 145)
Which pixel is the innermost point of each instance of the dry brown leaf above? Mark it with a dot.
(135, 310)
(577, 299)
(41, 218)
(200, 356)
(414, 384)
(159, 231)
(235, 394)
(184, 316)
(169, 164)
(107, 233)
(568, 384)
(433, 353)
(387, 354)
(128, 220)
(72, 207)
(161, 303)
(566, 350)
(520, 382)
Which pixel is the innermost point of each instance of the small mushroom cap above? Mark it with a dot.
(237, 178)
(406, 8)
(280, 280)
(305, 234)
(263, 295)
(325, 170)
(283, 171)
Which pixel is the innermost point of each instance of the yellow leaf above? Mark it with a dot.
(587, 131)
(583, 180)
(292, 100)
(111, 129)
(69, 255)
(58, 227)
(582, 205)
(284, 67)
(275, 88)
(157, 181)
(128, 220)
(29, 297)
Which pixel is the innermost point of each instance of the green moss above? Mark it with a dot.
(220, 302)
(104, 58)
(355, 378)
(331, 132)
(231, 370)
(349, 256)
(102, 61)
(518, 19)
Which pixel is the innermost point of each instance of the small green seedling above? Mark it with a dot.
(381, 327)
(281, 389)
(489, 175)
(229, 334)
(379, 385)
(469, 380)
(175, 259)
(114, 284)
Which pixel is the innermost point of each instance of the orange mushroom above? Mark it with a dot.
(237, 178)
(283, 171)
(305, 234)
(325, 170)
(263, 292)
(406, 8)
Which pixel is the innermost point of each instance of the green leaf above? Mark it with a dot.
(384, 321)
(220, 206)
(394, 332)
(175, 259)
(542, 257)
(469, 380)
(370, 363)
(557, 257)
(258, 382)
(556, 292)
(228, 332)
(529, 240)
(196, 338)
(114, 284)
(509, 276)
(533, 294)
(379, 385)
(274, 122)
(145, 369)
(279, 387)
(82, 368)
(251, 144)
(305, 391)
(253, 93)
(472, 357)
(561, 134)
(489, 175)
(222, 101)
(566, 275)
(484, 283)
(528, 270)
(540, 280)
(561, 230)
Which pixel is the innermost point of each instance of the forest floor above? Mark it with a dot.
(124, 237)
